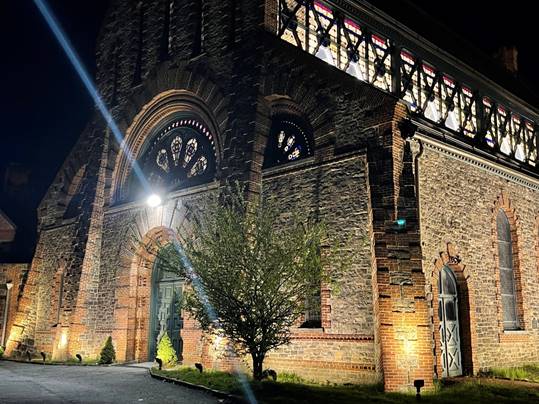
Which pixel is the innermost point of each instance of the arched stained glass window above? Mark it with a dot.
(507, 274)
(289, 140)
(180, 154)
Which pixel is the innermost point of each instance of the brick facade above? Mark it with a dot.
(89, 279)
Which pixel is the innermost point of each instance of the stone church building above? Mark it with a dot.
(333, 107)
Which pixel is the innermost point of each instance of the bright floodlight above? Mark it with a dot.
(153, 201)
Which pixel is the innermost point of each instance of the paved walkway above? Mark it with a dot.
(28, 383)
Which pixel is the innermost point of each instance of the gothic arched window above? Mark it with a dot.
(507, 273)
(179, 155)
(289, 140)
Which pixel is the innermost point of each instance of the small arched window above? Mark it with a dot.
(507, 273)
(289, 140)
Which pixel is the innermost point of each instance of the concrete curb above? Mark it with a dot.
(216, 393)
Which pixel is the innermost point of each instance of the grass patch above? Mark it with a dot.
(528, 372)
(214, 380)
(292, 389)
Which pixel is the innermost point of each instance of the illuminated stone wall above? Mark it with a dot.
(459, 202)
(88, 279)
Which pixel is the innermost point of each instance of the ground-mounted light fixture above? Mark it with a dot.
(154, 201)
(418, 384)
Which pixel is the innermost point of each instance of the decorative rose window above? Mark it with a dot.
(180, 155)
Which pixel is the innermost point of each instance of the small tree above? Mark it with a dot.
(166, 352)
(108, 354)
(251, 270)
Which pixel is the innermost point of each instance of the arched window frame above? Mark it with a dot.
(73, 195)
(504, 204)
(58, 294)
(160, 103)
(293, 121)
(506, 268)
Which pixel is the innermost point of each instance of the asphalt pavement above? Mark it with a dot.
(32, 383)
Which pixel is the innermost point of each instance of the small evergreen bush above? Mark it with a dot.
(166, 352)
(108, 354)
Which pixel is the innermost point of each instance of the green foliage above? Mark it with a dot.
(290, 378)
(528, 372)
(1, 352)
(255, 267)
(166, 352)
(108, 354)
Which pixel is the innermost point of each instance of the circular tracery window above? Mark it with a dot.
(288, 141)
(180, 155)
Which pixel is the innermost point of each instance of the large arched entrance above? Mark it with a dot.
(165, 312)
(147, 300)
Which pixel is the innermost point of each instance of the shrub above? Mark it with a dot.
(1, 352)
(108, 354)
(166, 352)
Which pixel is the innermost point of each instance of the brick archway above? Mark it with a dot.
(466, 310)
(133, 294)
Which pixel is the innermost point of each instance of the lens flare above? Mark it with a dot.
(90, 87)
(154, 201)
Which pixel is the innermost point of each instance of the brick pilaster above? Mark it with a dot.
(402, 329)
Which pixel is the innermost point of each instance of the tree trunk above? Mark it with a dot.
(258, 361)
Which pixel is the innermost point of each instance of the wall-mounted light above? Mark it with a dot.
(154, 201)
(398, 225)
(63, 339)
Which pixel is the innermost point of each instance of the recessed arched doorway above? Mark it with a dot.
(165, 312)
(449, 327)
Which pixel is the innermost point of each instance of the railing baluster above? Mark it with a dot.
(470, 110)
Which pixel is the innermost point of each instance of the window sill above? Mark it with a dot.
(308, 330)
(515, 332)
(512, 336)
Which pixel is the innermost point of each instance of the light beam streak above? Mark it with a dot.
(71, 54)
(203, 297)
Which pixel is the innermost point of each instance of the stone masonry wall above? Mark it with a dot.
(16, 274)
(334, 192)
(459, 202)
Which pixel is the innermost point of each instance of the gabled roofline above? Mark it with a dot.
(8, 220)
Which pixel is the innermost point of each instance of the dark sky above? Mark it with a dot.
(44, 106)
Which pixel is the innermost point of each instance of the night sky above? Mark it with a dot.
(44, 107)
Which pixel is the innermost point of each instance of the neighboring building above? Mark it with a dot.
(7, 229)
(425, 164)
